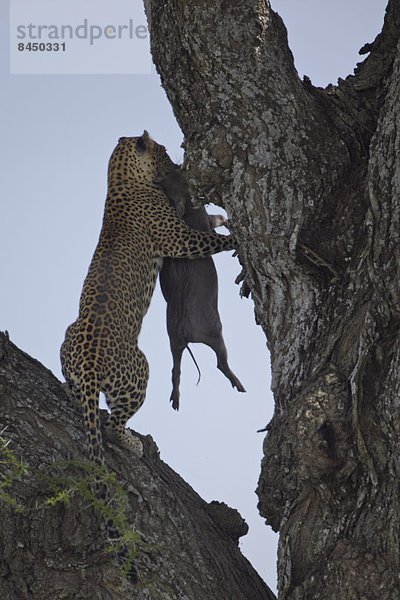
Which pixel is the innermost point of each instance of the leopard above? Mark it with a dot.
(100, 352)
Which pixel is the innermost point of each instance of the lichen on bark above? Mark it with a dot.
(309, 178)
(189, 548)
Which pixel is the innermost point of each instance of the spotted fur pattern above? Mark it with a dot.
(100, 352)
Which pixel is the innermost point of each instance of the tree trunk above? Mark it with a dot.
(58, 551)
(310, 179)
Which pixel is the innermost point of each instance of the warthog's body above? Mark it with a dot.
(190, 288)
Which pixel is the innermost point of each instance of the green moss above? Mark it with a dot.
(11, 470)
(65, 480)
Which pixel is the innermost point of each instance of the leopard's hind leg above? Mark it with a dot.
(125, 393)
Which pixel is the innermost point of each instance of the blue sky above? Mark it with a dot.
(58, 132)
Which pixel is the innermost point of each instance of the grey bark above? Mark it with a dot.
(310, 179)
(59, 552)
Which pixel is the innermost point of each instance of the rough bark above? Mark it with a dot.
(59, 552)
(310, 180)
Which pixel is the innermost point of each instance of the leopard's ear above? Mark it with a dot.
(143, 142)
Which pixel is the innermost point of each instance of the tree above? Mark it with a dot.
(310, 179)
(52, 546)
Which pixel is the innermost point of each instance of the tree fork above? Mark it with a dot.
(309, 178)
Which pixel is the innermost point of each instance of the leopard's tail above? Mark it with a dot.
(89, 397)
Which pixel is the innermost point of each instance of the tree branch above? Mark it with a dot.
(190, 547)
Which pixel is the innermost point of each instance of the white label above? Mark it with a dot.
(79, 37)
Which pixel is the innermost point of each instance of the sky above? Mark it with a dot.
(58, 131)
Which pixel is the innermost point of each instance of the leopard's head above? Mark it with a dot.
(140, 159)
